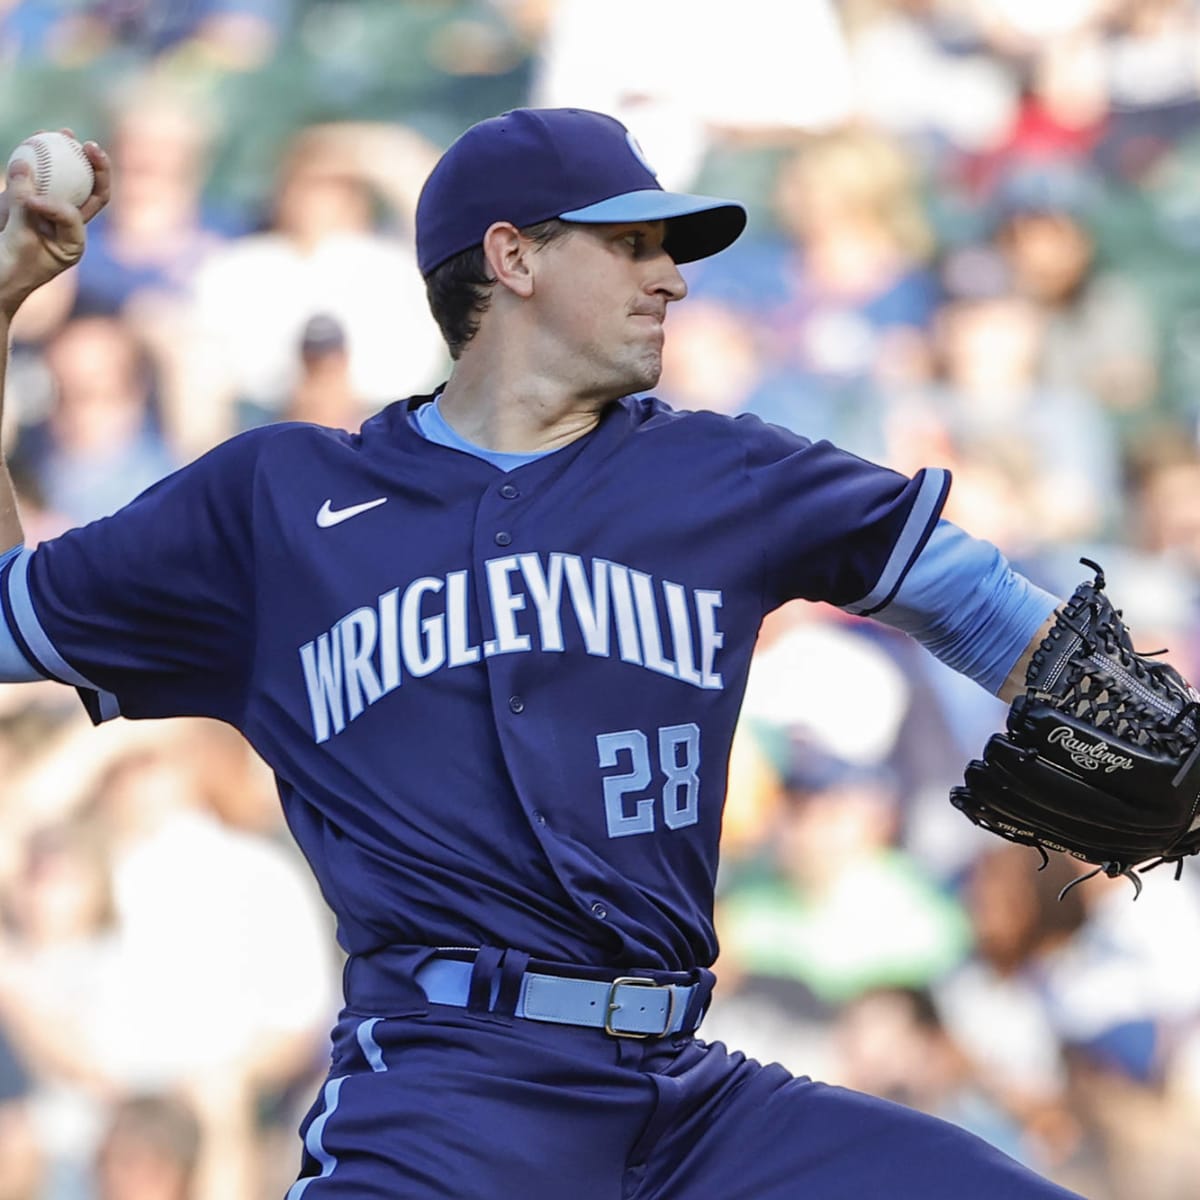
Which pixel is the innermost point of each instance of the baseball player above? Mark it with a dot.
(493, 647)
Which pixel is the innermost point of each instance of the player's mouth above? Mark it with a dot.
(657, 311)
(652, 320)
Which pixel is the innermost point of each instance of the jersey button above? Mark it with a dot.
(599, 911)
(503, 539)
(509, 492)
(516, 704)
(539, 817)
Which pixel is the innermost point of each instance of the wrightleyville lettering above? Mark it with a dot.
(425, 627)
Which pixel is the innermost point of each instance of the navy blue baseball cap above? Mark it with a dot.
(532, 164)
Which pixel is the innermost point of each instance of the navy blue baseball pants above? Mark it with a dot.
(444, 1102)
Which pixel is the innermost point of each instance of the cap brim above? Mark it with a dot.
(699, 225)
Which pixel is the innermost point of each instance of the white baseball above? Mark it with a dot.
(60, 166)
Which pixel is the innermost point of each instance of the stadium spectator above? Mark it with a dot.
(993, 1006)
(989, 395)
(893, 1041)
(101, 443)
(324, 252)
(841, 297)
(324, 394)
(60, 992)
(1098, 332)
(150, 1151)
(839, 906)
(20, 1157)
(774, 88)
(146, 246)
(923, 72)
(236, 35)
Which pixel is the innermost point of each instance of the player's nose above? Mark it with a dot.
(667, 281)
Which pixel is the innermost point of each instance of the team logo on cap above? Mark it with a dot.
(639, 153)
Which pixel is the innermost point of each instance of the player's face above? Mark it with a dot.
(603, 293)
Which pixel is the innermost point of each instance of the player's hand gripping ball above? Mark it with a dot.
(60, 167)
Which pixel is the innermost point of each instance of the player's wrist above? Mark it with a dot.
(11, 299)
(15, 288)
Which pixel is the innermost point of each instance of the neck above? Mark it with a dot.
(515, 411)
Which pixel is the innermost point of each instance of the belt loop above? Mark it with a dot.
(512, 971)
(483, 976)
(698, 1001)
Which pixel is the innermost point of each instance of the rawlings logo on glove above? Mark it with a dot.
(1100, 757)
(1089, 755)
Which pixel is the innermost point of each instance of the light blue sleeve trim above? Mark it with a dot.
(40, 645)
(928, 503)
(14, 666)
(965, 604)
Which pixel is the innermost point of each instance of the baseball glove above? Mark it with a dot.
(1101, 754)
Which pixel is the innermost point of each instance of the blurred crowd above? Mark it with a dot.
(974, 242)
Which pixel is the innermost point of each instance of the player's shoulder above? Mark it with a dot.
(233, 468)
(650, 414)
(280, 439)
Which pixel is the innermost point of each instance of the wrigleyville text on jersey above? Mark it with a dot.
(412, 631)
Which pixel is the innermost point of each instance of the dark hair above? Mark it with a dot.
(460, 290)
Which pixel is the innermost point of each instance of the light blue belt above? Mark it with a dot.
(624, 1007)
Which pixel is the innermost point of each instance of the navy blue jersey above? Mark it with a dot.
(499, 704)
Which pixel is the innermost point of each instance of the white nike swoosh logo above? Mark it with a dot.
(327, 515)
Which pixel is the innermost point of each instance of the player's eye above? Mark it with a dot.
(638, 243)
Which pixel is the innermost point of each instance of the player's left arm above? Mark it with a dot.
(965, 603)
(1100, 753)
(1015, 682)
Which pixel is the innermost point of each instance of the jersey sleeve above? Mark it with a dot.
(836, 527)
(150, 612)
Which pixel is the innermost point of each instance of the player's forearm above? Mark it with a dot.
(1014, 685)
(964, 603)
(11, 533)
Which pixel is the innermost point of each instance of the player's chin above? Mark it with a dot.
(644, 372)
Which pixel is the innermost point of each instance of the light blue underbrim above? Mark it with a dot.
(650, 204)
(707, 225)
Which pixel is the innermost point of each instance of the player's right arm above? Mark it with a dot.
(39, 239)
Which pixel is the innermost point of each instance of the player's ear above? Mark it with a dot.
(507, 254)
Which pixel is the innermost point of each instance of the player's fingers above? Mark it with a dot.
(58, 223)
(18, 192)
(102, 188)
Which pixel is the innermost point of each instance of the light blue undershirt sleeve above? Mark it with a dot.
(432, 426)
(14, 666)
(965, 604)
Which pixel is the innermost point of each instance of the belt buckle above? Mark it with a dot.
(636, 981)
